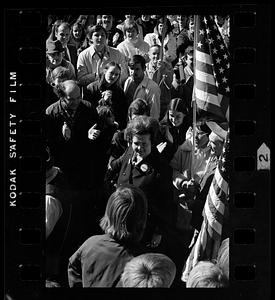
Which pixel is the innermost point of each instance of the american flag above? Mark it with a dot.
(211, 69)
(214, 213)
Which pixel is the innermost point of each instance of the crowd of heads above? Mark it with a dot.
(126, 210)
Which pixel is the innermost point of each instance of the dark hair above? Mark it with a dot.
(107, 66)
(141, 125)
(155, 45)
(169, 27)
(201, 125)
(80, 25)
(188, 50)
(112, 64)
(95, 28)
(137, 59)
(139, 107)
(185, 48)
(104, 112)
(179, 105)
(125, 214)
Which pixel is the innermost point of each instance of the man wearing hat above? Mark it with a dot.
(197, 199)
(55, 58)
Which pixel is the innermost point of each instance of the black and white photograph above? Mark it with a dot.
(137, 111)
(137, 152)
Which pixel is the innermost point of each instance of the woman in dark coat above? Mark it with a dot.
(106, 90)
(142, 165)
(174, 125)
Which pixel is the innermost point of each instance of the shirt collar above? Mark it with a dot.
(144, 81)
(106, 51)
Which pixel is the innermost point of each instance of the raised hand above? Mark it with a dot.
(93, 133)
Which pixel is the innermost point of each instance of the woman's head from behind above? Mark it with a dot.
(149, 270)
(126, 214)
(137, 108)
(206, 274)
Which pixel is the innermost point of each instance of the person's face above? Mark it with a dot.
(112, 74)
(201, 139)
(145, 18)
(161, 28)
(154, 54)
(131, 33)
(77, 31)
(130, 17)
(216, 146)
(137, 72)
(98, 39)
(56, 81)
(63, 35)
(72, 98)
(176, 117)
(141, 145)
(107, 22)
(55, 58)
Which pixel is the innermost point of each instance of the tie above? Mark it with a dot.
(68, 54)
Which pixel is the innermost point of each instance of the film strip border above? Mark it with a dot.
(250, 141)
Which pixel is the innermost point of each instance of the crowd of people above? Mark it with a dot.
(125, 186)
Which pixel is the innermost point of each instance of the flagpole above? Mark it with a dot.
(194, 98)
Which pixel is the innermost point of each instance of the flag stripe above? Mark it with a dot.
(209, 88)
(215, 109)
(211, 67)
(207, 98)
(214, 198)
(220, 180)
(202, 76)
(209, 238)
(203, 57)
(214, 224)
(203, 67)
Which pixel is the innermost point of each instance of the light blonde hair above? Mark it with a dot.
(149, 270)
(206, 274)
